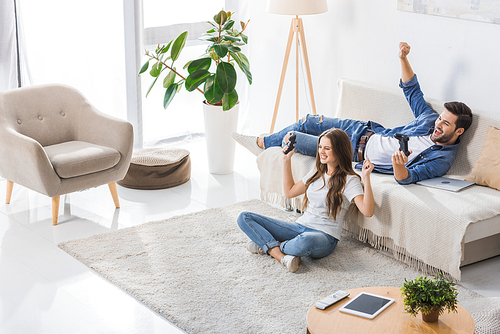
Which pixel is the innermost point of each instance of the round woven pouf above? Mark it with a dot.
(157, 168)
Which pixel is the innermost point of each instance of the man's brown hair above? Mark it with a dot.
(462, 111)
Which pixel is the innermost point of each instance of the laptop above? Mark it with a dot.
(446, 183)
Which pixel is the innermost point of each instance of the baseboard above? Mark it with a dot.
(481, 249)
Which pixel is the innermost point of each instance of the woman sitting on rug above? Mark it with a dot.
(330, 187)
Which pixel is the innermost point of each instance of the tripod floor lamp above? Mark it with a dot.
(295, 7)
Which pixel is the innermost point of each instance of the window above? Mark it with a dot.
(164, 21)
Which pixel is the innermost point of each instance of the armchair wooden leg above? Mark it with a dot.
(8, 194)
(114, 193)
(55, 209)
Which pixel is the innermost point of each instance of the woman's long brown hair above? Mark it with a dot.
(342, 149)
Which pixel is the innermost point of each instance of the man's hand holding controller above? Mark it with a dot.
(400, 158)
(403, 143)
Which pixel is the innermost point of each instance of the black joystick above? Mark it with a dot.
(403, 143)
(291, 143)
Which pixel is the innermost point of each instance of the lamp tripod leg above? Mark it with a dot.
(283, 73)
(306, 61)
(297, 76)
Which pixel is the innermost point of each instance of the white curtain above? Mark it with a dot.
(9, 52)
(81, 44)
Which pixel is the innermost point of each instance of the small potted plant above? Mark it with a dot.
(213, 74)
(429, 296)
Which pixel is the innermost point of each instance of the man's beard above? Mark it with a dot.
(443, 138)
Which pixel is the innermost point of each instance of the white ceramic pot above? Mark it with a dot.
(219, 125)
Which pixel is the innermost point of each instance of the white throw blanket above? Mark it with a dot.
(402, 221)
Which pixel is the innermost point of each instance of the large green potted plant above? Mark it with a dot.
(213, 74)
(430, 296)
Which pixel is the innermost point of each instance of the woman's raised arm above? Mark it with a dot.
(290, 188)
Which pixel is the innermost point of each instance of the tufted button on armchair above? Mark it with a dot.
(53, 141)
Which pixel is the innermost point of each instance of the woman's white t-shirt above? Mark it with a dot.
(316, 216)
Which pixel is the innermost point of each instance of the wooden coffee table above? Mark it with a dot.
(391, 320)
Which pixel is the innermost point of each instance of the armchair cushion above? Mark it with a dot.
(76, 158)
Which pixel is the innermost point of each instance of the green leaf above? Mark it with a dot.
(150, 87)
(244, 38)
(156, 70)
(244, 59)
(213, 93)
(169, 95)
(169, 79)
(208, 39)
(178, 45)
(229, 100)
(223, 17)
(233, 48)
(221, 49)
(165, 49)
(226, 77)
(229, 24)
(199, 64)
(195, 79)
(144, 67)
(211, 31)
(242, 64)
(231, 38)
(187, 64)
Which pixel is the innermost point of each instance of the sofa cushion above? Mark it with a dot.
(76, 158)
(486, 171)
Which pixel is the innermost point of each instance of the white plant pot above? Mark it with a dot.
(219, 125)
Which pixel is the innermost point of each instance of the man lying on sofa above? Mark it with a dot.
(433, 138)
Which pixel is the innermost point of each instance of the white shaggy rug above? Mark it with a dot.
(195, 271)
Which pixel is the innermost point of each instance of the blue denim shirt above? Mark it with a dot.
(434, 161)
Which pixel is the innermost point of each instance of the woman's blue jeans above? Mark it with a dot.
(308, 130)
(295, 238)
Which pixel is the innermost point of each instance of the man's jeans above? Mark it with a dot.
(308, 130)
(295, 238)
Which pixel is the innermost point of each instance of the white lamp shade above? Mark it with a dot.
(296, 7)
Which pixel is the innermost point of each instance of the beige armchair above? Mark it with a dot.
(53, 141)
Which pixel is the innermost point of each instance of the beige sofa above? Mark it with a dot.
(430, 229)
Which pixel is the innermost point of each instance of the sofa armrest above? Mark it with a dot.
(25, 162)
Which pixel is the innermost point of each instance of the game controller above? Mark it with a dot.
(291, 143)
(403, 143)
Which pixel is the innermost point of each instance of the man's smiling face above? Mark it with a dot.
(445, 131)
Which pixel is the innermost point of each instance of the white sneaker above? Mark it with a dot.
(253, 248)
(249, 142)
(291, 262)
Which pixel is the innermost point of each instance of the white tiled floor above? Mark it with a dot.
(44, 290)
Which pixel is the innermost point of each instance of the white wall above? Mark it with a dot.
(454, 59)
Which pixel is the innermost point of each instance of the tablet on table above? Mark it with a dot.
(366, 305)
